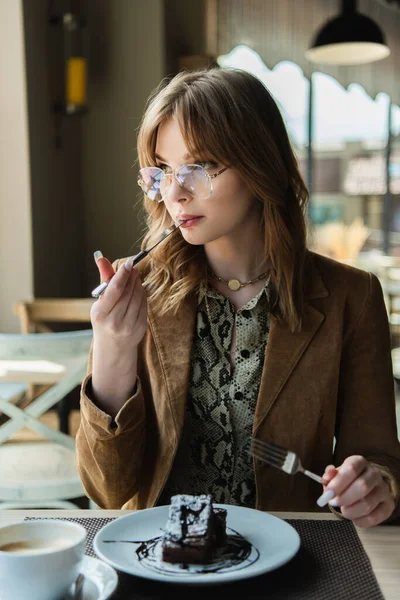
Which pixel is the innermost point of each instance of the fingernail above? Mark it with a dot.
(334, 502)
(98, 254)
(129, 264)
(329, 467)
(326, 496)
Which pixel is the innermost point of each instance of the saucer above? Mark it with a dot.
(100, 580)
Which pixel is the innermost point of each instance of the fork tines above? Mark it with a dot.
(269, 452)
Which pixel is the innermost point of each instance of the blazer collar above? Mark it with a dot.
(174, 335)
(317, 287)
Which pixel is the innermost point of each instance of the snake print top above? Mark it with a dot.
(212, 456)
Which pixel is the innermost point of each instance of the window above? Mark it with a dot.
(349, 141)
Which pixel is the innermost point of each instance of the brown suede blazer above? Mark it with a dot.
(333, 380)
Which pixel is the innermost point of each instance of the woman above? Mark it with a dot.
(232, 328)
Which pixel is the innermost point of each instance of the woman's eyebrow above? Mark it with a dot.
(186, 157)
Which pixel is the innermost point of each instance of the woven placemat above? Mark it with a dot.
(330, 565)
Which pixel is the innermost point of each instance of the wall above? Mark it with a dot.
(126, 62)
(84, 193)
(57, 203)
(16, 268)
(185, 30)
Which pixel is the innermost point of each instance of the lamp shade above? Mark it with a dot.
(349, 39)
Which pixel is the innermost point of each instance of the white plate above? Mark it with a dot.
(100, 580)
(274, 542)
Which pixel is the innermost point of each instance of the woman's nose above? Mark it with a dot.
(176, 193)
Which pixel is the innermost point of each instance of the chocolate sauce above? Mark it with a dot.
(237, 553)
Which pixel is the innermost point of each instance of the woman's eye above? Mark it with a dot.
(207, 164)
(164, 168)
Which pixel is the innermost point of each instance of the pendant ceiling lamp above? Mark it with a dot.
(349, 39)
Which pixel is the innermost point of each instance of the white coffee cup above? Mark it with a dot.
(41, 559)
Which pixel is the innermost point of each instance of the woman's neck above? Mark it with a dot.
(239, 256)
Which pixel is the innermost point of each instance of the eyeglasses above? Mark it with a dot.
(193, 178)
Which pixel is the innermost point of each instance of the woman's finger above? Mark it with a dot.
(347, 473)
(132, 306)
(330, 472)
(105, 267)
(138, 316)
(120, 308)
(358, 489)
(366, 505)
(114, 291)
(379, 514)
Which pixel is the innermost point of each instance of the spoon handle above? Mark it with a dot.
(98, 291)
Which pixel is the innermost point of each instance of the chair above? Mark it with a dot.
(35, 316)
(39, 473)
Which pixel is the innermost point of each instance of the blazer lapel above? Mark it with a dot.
(284, 350)
(173, 336)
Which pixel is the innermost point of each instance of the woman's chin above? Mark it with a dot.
(194, 237)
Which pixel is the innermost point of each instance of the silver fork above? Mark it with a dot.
(280, 458)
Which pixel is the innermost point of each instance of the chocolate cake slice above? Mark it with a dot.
(220, 515)
(192, 529)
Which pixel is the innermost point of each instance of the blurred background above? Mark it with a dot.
(76, 75)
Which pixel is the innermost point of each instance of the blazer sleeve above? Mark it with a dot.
(103, 446)
(109, 452)
(366, 416)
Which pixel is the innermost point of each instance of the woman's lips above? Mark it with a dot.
(191, 222)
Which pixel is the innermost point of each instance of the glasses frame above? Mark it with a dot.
(173, 174)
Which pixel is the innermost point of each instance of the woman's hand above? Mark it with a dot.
(358, 488)
(119, 320)
(120, 314)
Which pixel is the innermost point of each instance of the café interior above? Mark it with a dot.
(76, 77)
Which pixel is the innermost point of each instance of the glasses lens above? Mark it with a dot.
(165, 183)
(195, 180)
(150, 182)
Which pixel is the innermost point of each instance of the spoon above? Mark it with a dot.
(79, 587)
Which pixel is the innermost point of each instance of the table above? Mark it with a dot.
(31, 371)
(382, 543)
(28, 373)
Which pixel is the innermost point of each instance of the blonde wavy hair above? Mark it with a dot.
(232, 115)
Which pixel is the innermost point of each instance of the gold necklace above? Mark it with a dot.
(235, 284)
